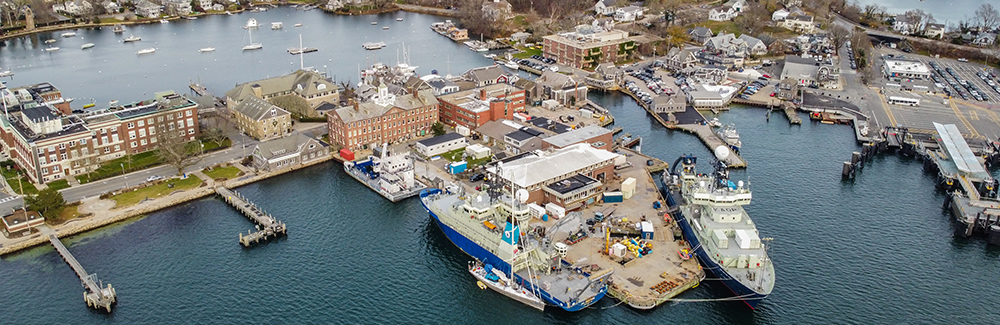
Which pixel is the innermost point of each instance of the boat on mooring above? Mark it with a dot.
(483, 225)
(206, 49)
(277, 25)
(251, 23)
(252, 45)
(724, 238)
(389, 174)
(68, 34)
(373, 45)
(147, 50)
(132, 38)
(51, 49)
(118, 29)
(86, 46)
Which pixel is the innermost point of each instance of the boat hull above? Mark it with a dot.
(747, 295)
(394, 197)
(486, 257)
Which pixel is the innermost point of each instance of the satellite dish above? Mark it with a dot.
(479, 198)
(701, 184)
(521, 195)
(721, 152)
(500, 164)
(740, 184)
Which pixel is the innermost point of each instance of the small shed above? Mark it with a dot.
(628, 188)
(647, 229)
(457, 167)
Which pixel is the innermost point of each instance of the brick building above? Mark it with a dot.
(48, 146)
(587, 49)
(387, 118)
(474, 107)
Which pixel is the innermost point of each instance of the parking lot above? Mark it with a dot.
(952, 75)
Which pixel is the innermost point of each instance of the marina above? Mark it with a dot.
(799, 179)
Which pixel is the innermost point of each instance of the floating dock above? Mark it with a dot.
(198, 89)
(268, 227)
(95, 296)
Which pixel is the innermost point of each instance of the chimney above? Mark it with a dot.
(482, 93)
(257, 91)
(414, 92)
(355, 104)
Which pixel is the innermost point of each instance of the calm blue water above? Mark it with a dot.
(876, 250)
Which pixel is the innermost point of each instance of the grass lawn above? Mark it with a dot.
(719, 26)
(223, 172)
(528, 52)
(456, 155)
(67, 213)
(12, 176)
(155, 191)
(58, 185)
(520, 21)
(211, 146)
(114, 167)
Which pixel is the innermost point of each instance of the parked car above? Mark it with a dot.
(963, 60)
(153, 178)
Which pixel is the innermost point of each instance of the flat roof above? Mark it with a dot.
(520, 135)
(576, 136)
(571, 184)
(959, 150)
(907, 66)
(440, 139)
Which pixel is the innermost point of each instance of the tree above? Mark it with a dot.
(987, 16)
(291, 103)
(217, 127)
(675, 36)
(838, 35)
(438, 129)
(47, 200)
(174, 147)
(918, 19)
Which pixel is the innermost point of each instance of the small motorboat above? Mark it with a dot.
(714, 123)
(52, 49)
(132, 38)
(385, 28)
(374, 23)
(147, 50)
(68, 34)
(399, 19)
(298, 25)
(87, 46)
(6, 73)
(50, 41)
(118, 29)
(164, 21)
(206, 49)
(277, 25)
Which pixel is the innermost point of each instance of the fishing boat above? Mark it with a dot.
(87, 46)
(132, 38)
(206, 49)
(277, 25)
(252, 45)
(51, 49)
(298, 25)
(118, 29)
(373, 45)
(487, 225)
(147, 50)
(724, 239)
(50, 41)
(68, 34)
(389, 174)
(251, 23)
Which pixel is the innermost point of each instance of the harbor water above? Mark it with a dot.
(874, 250)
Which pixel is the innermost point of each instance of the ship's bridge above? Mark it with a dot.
(731, 196)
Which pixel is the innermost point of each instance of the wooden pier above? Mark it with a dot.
(712, 141)
(97, 297)
(792, 115)
(268, 227)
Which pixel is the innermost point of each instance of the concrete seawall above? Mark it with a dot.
(73, 227)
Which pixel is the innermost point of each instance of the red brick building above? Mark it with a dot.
(474, 107)
(48, 147)
(587, 50)
(385, 119)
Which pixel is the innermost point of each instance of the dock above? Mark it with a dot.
(95, 296)
(712, 141)
(268, 227)
(659, 274)
(792, 115)
(198, 89)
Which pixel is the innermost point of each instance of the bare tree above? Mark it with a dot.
(838, 35)
(174, 148)
(873, 11)
(918, 19)
(987, 16)
(217, 127)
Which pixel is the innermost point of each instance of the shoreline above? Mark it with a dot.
(58, 28)
(74, 227)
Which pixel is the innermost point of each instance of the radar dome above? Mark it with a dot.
(521, 195)
(721, 152)
(740, 184)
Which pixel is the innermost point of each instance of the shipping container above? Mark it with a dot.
(347, 154)
(628, 188)
(613, 197)
(457, 167)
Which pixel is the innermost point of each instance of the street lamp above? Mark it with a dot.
(123, 174)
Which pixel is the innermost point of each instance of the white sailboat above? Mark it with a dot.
(206, 49)
(147, 50)
(252, 45)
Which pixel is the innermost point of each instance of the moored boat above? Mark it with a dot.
(118, 29)
(51, 49)
(68, 34)
(512, 65)
(251, 23)
(87, 46)
(277, 25)
(164, 21)
(147, 50)
(50, 41)
(731, 137)
(724, 238)
(373, 45)
(497, 281)
(390, 175)
(132, 38)
(298, 25)
(206, 49)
